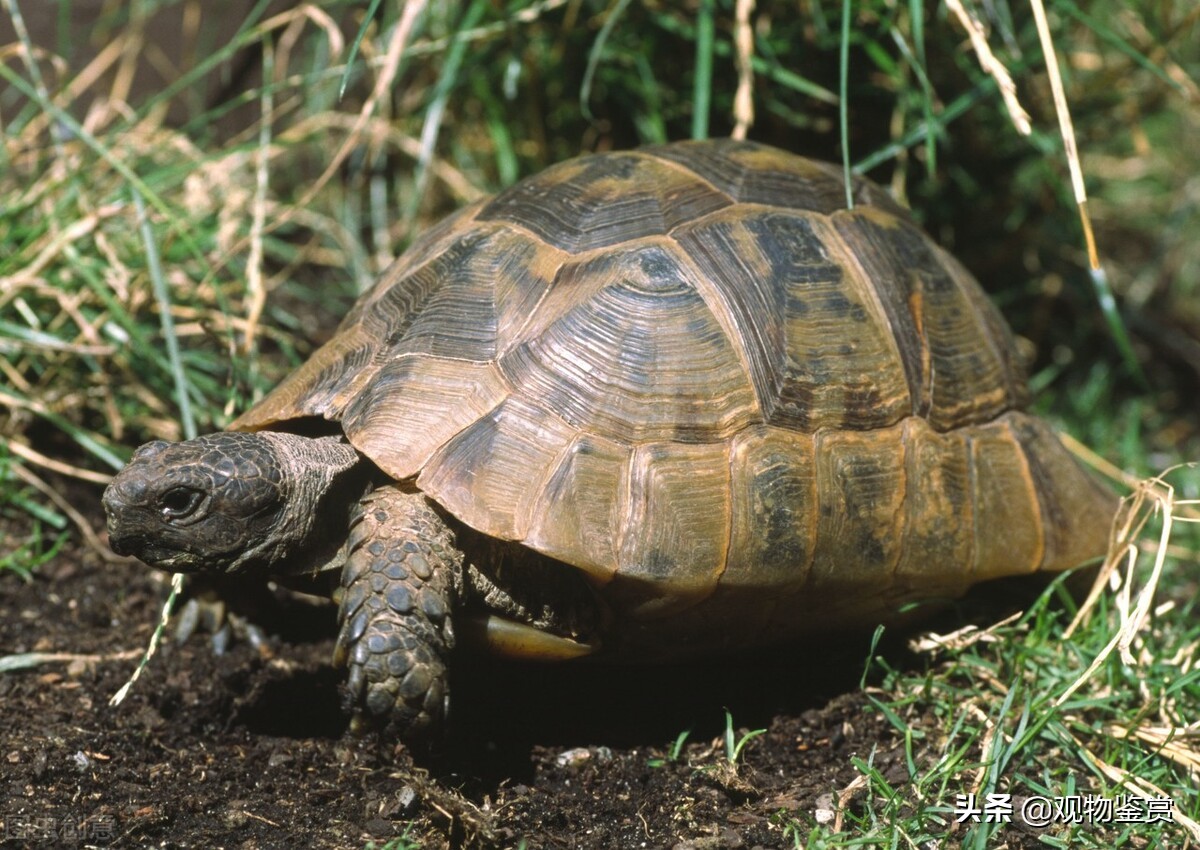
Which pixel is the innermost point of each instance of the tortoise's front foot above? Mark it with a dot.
(396, 634)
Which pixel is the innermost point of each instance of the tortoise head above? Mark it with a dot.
(226, 502)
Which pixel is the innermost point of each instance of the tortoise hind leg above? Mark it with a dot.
(398, 587)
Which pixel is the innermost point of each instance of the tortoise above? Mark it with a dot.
(648, 404)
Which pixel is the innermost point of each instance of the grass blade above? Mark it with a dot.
(594, 55)
(350, 57)
(432, 127)
(844, 101)
(162, 296)
(702, 86)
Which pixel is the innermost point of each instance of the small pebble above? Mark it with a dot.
(581, 755)
(574, 757)
(406, 797)
(825, 812)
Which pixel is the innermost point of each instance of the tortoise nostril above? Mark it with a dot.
(131, 488)
(120, 493)
(126, 491)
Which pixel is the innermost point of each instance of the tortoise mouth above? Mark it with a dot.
(152, 552)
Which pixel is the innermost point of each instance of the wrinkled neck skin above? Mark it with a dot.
(323, 479)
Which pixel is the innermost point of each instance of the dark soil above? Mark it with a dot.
(249, 748)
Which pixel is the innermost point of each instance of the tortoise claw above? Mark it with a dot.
(212, 615)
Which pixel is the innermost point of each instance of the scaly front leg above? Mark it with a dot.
(399, 586)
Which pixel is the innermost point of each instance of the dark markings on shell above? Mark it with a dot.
(447, 307)
(754, 174)
(595, 202)
(840, 369)
(778, 504)
(860, 475)
(945, 342)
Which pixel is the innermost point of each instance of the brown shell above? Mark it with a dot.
(690, 371)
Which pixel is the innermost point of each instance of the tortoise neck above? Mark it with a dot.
(325, 478)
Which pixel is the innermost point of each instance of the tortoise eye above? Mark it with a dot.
(179, 502)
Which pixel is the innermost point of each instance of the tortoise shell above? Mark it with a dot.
(691, 372)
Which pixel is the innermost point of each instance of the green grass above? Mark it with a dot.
(676, 749)
(734, 743)
(118, 326)
(401, 842)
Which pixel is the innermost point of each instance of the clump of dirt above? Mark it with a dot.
(249, 748)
